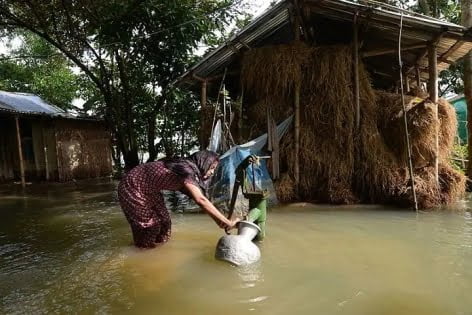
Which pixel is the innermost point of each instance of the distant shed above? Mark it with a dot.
(460, 105)
(55, 145)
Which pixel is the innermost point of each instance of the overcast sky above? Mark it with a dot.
(259, 6)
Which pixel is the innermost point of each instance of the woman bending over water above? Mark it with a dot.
(142, 202)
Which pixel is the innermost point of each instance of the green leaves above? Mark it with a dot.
(129, 50)
(38, 68)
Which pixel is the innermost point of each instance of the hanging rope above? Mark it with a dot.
(217, 101)
(405, 120)
(227, 136)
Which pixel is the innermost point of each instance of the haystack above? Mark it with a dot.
(339, 163)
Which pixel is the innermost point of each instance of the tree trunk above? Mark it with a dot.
(182, 141)
(424, 7)
(466, 6)
(123, 98)
(152, 127)
(151, 135)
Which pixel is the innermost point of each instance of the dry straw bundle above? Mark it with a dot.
(339, 163)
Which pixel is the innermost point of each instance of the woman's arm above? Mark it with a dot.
(208, 207)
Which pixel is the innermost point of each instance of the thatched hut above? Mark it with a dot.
(39, 141)
(335, 66)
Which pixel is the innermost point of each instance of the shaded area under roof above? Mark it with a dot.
(329, 22)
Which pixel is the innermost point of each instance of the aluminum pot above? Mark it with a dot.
(239, 249)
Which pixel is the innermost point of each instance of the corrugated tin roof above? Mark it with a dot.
(456, 98)
(382, 19)
(26, 103)
(31, 104)
(264, 25)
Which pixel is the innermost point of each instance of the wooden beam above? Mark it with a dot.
(423, 54)
(301, 20)
(245, 44)
(433, 95)
(214, 77)
(356, 71)
(452, 49)
(219, 76)
(445, 61)
(382, 73)
(198, 78)
(386, 51)
(20, 153)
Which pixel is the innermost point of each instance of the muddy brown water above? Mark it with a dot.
(66, 249)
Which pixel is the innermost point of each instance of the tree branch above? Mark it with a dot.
(56, 44)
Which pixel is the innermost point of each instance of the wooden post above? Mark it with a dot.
(418, 79)
(297, 136)
(58, 157)
(203, 125)
(296, 104)
(433, 95)
(20, 153)
(296, 21)
(356, 72)
(45, 148)
(3, 160)
(240, 117)
(407, 84)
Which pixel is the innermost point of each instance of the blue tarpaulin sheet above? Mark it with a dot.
(224, 179)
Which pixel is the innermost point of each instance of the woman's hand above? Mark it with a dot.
(232, 225)
(229, 224)
(209, 208)
(234, 222)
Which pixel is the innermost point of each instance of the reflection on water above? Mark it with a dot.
(67, 250)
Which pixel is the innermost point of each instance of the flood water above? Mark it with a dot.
(67, 250)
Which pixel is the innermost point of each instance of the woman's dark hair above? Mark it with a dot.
(193, 167)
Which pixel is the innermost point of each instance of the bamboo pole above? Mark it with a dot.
(405, 120)
(433, 95)
(297, 136)
(224, 106)
(461, 152)
(240, 117)
(297, 112)
(356, 71)
(379, 52)
(418, 78)
(203, 102)
(20, 153)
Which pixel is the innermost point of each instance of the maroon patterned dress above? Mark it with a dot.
(142, 202)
